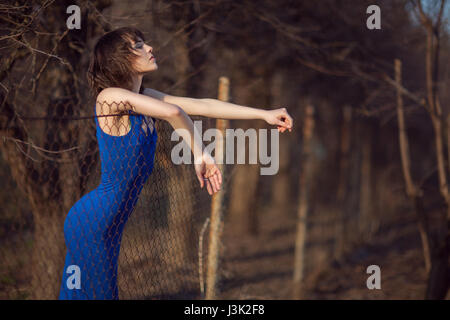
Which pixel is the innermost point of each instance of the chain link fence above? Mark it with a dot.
(59, 210)
(112, 203)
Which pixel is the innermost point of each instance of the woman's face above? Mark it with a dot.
(146, 62)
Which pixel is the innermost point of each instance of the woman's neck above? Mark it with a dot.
(137, 81)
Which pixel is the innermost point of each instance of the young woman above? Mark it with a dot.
(127, 139)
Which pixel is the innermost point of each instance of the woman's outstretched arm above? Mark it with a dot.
(119, 99)
(214, 108)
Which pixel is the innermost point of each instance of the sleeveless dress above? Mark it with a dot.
(94, 225)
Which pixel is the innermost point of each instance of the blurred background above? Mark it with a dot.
(363, 177)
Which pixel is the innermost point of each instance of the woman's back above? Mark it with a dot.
(126, 157)
(94, 225)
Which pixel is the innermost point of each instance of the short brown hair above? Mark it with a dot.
(111, 62)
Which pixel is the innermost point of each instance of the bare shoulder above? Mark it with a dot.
(113, 100)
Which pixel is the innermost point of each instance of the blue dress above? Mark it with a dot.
(94, 225)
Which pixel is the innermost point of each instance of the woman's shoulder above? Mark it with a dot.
(112, 94)
(114, 99)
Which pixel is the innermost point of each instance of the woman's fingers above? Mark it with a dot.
(208, 187)
(213, 187)
(215, 176)
(200, 179)
(291, 121)
(286, 120)
(215, 181)
(213, 184)
(219, 174)
(219, 178)
(283, 122)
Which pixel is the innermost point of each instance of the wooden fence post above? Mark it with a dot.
(303, 206)
(217, 202)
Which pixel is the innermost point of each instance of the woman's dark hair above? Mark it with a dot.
(111, 61)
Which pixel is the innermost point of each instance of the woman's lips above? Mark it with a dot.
(152, 58)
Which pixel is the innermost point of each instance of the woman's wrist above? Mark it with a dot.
(198, 157)
(207, 157)
(262, 115)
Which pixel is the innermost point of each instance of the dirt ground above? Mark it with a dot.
(261, 267)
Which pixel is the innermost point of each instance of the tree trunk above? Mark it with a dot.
(438, 279)
(242, 213)
(341, 230)
(48, 251)
(414, 193)
(280, 185)
(306, 174)
(365, 217)
(439, 276)
(51, 181)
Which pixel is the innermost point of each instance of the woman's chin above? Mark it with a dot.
(153, 68)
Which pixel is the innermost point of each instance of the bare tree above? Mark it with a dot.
(439, 277)
(41, 63)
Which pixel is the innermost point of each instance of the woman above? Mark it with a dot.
(127, 141)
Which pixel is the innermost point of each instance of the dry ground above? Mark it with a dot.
(261, 267)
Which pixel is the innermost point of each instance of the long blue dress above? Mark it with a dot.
(94, 225)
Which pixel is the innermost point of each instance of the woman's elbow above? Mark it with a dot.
(173, 112)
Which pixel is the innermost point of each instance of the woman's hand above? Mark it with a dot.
(280, 118)
(208, 172)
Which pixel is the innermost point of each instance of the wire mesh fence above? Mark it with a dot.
(101, 193)
(130, 221)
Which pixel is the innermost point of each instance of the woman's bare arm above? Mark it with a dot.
(214, 108)
(115, 100)
(121, 99)
(206, 107)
